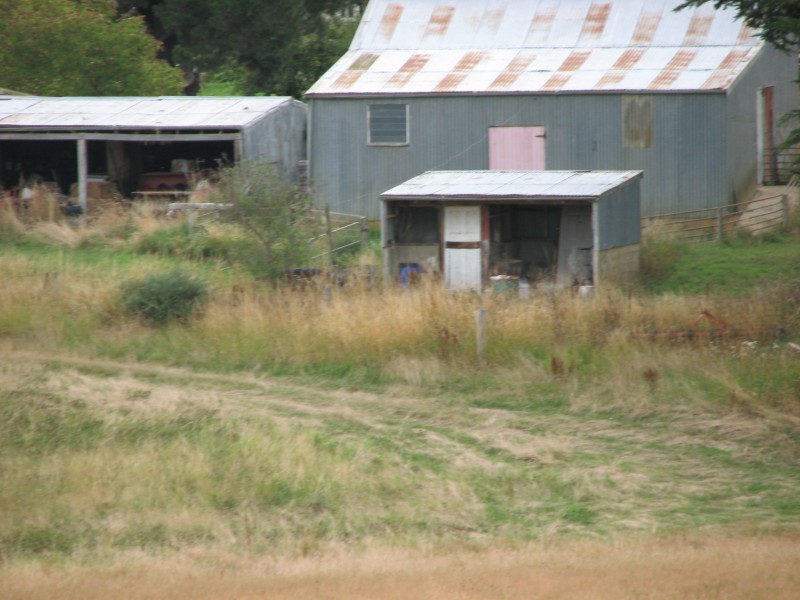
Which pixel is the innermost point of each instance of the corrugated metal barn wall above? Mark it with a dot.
(683, 158)
(766, 70)
(279, 138)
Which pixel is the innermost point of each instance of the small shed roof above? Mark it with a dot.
(114, 114)
(482, 186)
(540, 46)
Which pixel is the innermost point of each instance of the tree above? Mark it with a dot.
(70, 48)
(278, 47)
(274, 213)
(778, 22)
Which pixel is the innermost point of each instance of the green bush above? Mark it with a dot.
(160, 298)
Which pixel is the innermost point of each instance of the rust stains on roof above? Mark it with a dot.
(542, 23)
(389, 21)
(628, 59)
(646, 28)
(440, 20)
(698, 30)
(512, 72)
(360, 65)
(493, 18)
(745, 35)
(722, 76)
(595, 21)
(410, 68)
(467, 63)
(623, 65)
(575, 60)
(556, 82)
(676, 66)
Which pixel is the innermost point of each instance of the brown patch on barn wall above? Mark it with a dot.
(637, 122)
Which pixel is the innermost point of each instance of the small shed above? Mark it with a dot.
(68, 141)
(474, 228)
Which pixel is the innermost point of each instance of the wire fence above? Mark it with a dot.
(712, 224)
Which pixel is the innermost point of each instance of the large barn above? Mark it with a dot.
(70, 141)
(692, 98)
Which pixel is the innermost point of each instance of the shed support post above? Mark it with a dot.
(83, 175)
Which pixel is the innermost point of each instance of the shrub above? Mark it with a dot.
(160, 298)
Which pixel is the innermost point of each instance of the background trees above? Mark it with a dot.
(277, 47)
(69, 48)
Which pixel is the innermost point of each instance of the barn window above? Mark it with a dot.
(387, 124)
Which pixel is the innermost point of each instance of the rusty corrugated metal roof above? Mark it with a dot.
(491, 46)
(179, 112)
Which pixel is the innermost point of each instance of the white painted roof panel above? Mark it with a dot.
(181, 112)
(474, 185)
(495, 46)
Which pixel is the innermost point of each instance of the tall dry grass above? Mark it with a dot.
(690, 568)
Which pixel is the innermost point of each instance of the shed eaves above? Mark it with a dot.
(540, 46)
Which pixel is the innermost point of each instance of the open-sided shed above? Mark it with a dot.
(562, 227)
(73, 140)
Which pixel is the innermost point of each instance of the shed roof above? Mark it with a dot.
(108, 113)
(510, 185)
(540, 46)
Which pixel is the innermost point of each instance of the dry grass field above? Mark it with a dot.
(349, 442)
(684, 568)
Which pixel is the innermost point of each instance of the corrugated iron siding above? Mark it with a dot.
(280, 139)
(583, 132)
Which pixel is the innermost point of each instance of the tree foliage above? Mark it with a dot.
(274, 213)
(69, 48)
(778, 21)
(279, 47)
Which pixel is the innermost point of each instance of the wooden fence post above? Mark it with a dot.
(720, 225)
(480, 333)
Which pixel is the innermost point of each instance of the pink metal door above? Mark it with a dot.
(516, 148)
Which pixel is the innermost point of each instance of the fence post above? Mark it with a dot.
(720, 225)
(785, 207)
(329, 234)
(364, 235)
(480, 333)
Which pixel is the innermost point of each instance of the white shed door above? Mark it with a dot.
(575, 243)
(462, 253)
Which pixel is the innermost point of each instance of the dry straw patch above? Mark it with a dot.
(692, 568)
